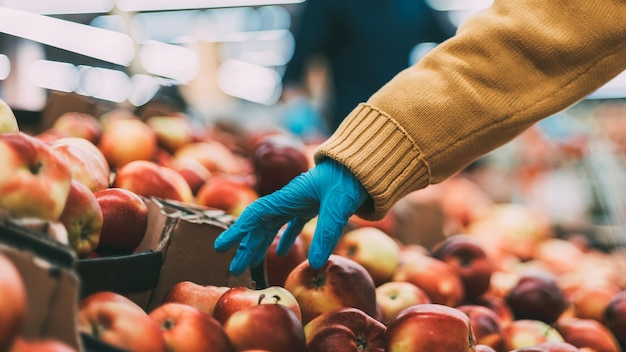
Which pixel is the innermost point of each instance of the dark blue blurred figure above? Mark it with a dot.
(364, 42)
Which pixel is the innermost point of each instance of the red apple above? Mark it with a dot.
(486, 325)
(369, 246)
(394, 296)
(47, 344)
(125, 140)
(499, 305)
(231, 194)
(172, 131)
(279, 267)
(550, 346)
(86, 162)
(340, 282)
(202, 297)
(77, 124)
(528, 332)
(107, 296)
(240, 297)
(276, 160)
(387, 224)
(430, 327)
(440, 280)
(192, 171)
(214, 155)
(148, 179)
(14, 302)
(484, 348)
(588, 333)
(615, 317)
(8, 121)
(345, 329)
(120, 325)
(82, 218)
(186, 328)
(537, 296)
(590, 299)
(125, 221)
(34, 180)
(466, 254)
(272, 327)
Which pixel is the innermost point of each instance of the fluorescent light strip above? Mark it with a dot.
(105, 45)
(160, 5)
(57, 7)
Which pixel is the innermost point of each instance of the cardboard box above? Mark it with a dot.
(178, 246)
(52, 285)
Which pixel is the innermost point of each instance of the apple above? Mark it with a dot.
(430, 327)
(340, 282)
(345, 329)
(107, 296)
(120, 325)
(186, 328)
(278, 267)
(125, 221)
(86, 162)
(466, 254)
(550, 346)
(14, 302)
(486, 325)
(498, 304)
(229, 193)
(82, 218)
(387, 224)
(172, 131)
(614, 317)
(192, 171)
(202, 297)
(484, 348)
(537, 296)
(127, 139)
(8, 121)
(394, 296)
(272, 327)
(375, 250)
(528, 332)
(587, 333)
(215, 156)
(590, 299)
(240, 297)
(276, 160)
(440, 280)
(34, 180)
(148, 179)
(78, 124)
(47, 344)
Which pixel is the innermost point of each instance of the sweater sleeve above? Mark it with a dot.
(506, 68)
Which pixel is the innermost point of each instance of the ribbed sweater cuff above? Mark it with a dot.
(381, 155)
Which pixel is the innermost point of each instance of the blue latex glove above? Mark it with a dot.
(328, 189)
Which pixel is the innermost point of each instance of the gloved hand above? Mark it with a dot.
(329, 189)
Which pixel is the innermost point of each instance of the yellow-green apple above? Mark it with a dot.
(486, 325)
(536, 295)
(82, 218)
(240, 297)
(590, 299)
(120, 325)
(86, 162)
(279, 267)
(8, 121)
(430, 327)
(34, 180)
(14, 302)
(467, 256)
(78, 124)
(394, 296)
(340, 282)
(186, 328)
(345, 329)
(126, 140)
(437, 278)
(588, 333)
(528, 332)
(614, 317)
(214, 155)
(229, 193)
(202, 297)
(148, 179)
(272, 327)
(125, 221)
(172, 131)
(276, 160)
(192, 171)
(376, 251)
(43, 344)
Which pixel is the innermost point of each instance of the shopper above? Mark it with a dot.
(507, 67)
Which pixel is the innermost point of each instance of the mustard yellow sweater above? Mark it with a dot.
(507, 67)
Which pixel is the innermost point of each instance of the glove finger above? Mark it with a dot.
(325, 238)
(261, 250)
(246, 251)
(288, 237)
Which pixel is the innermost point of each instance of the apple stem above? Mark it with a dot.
(34, 169)
(361, 343)
(261, 297)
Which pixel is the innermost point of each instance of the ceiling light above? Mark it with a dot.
(160, 5)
